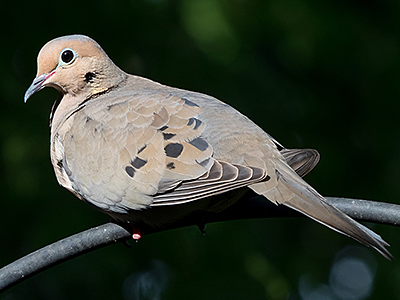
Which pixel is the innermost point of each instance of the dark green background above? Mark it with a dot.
(320, 74)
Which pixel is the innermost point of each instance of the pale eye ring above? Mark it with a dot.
(67, 56)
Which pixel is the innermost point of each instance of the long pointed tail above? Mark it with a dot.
(289, 189)
(309, 202)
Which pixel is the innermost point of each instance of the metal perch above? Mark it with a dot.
(111, 233)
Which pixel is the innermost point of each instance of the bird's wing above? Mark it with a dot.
(301, 160)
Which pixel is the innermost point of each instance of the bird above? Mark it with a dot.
(147, 153)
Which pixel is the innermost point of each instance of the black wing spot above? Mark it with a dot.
(190, 122)
(141, 149)
(60, 163)
(171, 166)
(137, 163)
(199, 143)
(204, 163)
(168, 136)
(163, 128)
(188, 102)
(198, 123)
(267, 178)
(173, 150)
(130, 171)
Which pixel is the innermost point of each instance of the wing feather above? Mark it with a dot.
(222, 177)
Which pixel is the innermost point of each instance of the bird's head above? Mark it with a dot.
(75, 65)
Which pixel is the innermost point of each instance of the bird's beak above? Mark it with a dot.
(37, 85)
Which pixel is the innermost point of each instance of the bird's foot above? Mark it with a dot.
(136, 234)
(202, 228)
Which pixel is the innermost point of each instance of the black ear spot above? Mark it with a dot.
(89, 76)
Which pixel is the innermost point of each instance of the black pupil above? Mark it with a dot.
(67, 56)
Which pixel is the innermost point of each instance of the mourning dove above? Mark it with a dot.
(142, 151)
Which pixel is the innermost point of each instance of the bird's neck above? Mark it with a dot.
(104, 79)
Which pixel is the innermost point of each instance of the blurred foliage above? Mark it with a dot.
(319, 74)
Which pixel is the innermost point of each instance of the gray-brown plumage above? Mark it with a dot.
(127, 145)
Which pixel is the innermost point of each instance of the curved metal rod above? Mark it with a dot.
(111, 233)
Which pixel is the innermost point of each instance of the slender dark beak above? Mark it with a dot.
(37, 85)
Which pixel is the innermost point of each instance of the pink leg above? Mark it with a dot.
(136, 234)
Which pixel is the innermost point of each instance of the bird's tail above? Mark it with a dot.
(294, 192)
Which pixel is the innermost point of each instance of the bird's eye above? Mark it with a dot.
(67, 56)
